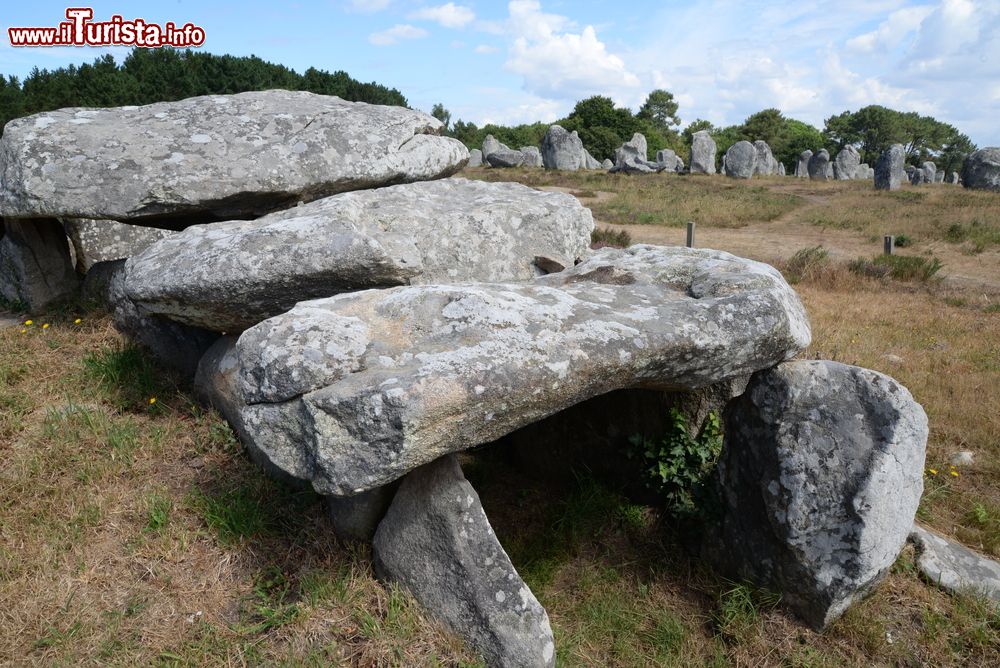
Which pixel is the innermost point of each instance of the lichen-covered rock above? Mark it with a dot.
(765, 164)
(229, 276)
(216, 157)
(740, 161)
(702, 153)
(930, 171)
(802, 166)
(939, 176)
(953, 178)
(105, 240)
(505, 157)
(821, 474)
(531, 157)
(491, 145)
(35, 264)
(629, 160)
(562, 149)
(981, 170)
(889, 173)
(846, 164)
(955, 568)
(475, 158)
(590, 162)
(437, 543)
(819, 166)
(607, 164)
(918, 177)
(354, 391)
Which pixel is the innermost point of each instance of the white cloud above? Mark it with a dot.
(368, 6)
(891, 32)
(449, 15)
(560, 64)
(395, 34)
(486, 48)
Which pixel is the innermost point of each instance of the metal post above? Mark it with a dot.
(888, 244)
(690, 239)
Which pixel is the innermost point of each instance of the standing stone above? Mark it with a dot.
(861, 173)
(531, 157)
(765, 164)
(953, 178)
(491, 145)
(802, 166)
(821, 472)
(939, 176)
(638, 140)
(819, 166)
(702, 153)
(437, 543)
(930, 171)
(741, 160)
(781, 169)
(889, 172)
(475, 158)
(215, 157)
(590, 162)
(981, 170)
(607, 164)
(104, 240)
(918, 177)
(35, 264)
(505, 157)
(562, 149)
(667, 159)
(845, 165)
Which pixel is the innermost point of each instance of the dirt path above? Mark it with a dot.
(782, 237)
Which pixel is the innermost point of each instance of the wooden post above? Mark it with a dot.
(888, 244)
(690, 238)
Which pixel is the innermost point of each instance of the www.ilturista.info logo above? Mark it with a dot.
(79, 30)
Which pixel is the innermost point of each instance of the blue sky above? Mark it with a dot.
(527, 60)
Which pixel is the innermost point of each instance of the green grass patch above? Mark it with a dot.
(900, 267)
(125, 375)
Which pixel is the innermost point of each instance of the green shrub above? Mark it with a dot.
(900, 267)
(680, 466)
(607, 236)
(903, 240)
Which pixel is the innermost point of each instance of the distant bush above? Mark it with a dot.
(805, 263)
(604, 237)
(900, 267)
(903, 240)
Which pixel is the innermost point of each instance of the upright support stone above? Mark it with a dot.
(437, 543)
(888, 244)
(35, 263)
(690, 234)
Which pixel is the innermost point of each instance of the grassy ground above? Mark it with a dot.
(137, 533)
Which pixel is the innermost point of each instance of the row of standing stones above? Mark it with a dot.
(743, 160)
(359, 320)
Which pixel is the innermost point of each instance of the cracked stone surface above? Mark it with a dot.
(229, 276)
(106, 240)
(740, 161)
(216, 157)
(436, 541)
(821, 472)
(889, 172)
(981, 170)
(354, 391)
(955, 568)
(35, 264)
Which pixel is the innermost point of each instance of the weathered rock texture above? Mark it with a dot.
(740, 160)
(475, 158)
(215, 157)
(819, 166)
(702, 153)
(821, 472)
(437, 543)
(846, 164)
(562, 149)
(35, 264)
(889, 174)
(229, 276)
(765, 164)
(506, 157)
(354, 391)
(104, 240)
(930, 171)
(954, 567)
(981, 170)
(802, 166)
(532, 157)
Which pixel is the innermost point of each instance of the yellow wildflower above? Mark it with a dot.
(152, 400)
(24, 331)
(933, 471)
(954, 473)
(77, 321)
(45, 326)
(29, 323)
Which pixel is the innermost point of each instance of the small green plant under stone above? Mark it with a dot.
(679, 465)
(607, 236)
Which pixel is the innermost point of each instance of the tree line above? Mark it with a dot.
(164, 75)
(603, 127)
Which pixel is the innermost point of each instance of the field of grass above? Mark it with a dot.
(135, 532)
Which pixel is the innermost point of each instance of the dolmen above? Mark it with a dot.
(361, 319)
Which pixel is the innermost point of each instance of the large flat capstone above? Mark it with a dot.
(216, 157)
(229, 276)
(353, 391)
